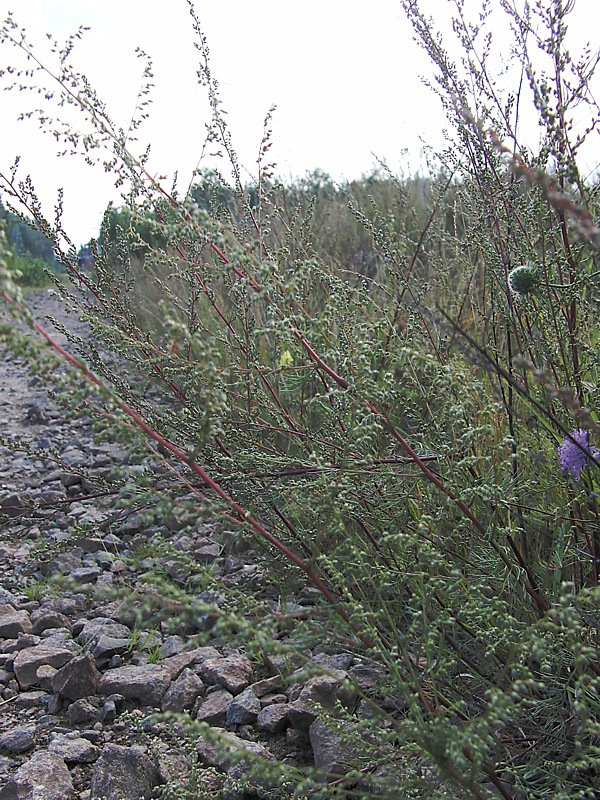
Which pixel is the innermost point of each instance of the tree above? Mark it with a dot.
(25, 240)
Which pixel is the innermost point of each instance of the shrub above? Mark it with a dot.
(29, 271)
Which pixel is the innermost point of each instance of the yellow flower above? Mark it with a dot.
(286, 359)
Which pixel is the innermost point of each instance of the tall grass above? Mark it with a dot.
(388, 430)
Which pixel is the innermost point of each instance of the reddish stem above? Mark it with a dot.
(243, 514)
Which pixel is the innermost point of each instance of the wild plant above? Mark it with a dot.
(416, 441)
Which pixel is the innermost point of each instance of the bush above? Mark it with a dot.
(29, 271)
(391, 437)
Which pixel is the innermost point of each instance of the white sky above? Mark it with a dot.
(344, 75)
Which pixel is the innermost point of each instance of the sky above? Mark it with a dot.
(345, 76)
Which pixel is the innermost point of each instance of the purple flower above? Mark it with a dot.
(575, 457)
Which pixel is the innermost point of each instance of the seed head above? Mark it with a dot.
(523, 280)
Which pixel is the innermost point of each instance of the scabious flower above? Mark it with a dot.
(523, 280)
(575, 458)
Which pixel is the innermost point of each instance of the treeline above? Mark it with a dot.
(30, 252)
(309, 216)
(24, 241)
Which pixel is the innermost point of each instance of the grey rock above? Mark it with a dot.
(91, 544)
(133, 524)
(28, 661)
(44, 619)
(83, 712)
(100, 626)
(85, 574)
(73, 457)
(206, 553)
(284, 664)
(318, 693)
(59, 637)
(232, 672)
(77, 679)
(183, 692)
(109, 712)
(105, 647)
(238, 758)
(69, 479)
(30, 699)
(7, 597)
(221, 751)
(214, 708)
(341, 661)
(54, 704)
(368, 675)
(13, 622)
(147, 683)
(175, 664)
(12, 506)
(18, 740)
(243, 709)
(333, 748)
(73, 749)
(6, 675)
(268, 686)
(61, 605)
(302, 714)
(64, 563)
(172, 646)
(273, 718)
(44, 675)
(26, 640)
(123, 773)
(44, 777)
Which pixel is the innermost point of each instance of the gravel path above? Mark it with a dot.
(86, 656)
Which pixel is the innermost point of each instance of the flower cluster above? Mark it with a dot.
(575, 454)
(523, 280)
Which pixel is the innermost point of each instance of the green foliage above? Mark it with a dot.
(28, 271)
(358, 379)
(25, 240)
(28, 253)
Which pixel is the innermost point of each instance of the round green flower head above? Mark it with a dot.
(523, 280)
